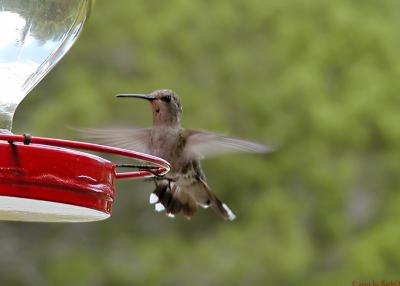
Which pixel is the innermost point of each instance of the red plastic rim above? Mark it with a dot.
(42, 180)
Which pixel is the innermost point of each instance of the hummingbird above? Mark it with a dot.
(184, 189)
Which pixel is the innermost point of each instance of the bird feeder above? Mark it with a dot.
(46, 179)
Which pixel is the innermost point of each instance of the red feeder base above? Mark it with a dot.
(48, 184)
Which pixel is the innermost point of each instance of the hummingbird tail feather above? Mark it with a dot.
(211, 200)
(221, 208)
(168, 196)
(174, 199)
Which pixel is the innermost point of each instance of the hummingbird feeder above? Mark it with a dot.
(46, 179)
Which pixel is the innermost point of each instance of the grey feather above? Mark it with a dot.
(132, 139)
(201, 144)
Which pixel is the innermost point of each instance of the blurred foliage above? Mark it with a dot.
(319, 79)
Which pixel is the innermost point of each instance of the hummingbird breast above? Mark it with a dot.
(167, 143)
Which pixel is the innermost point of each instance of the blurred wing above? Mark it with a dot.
(132, 139)
(202, 144)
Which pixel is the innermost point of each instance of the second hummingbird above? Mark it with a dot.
(185, 187)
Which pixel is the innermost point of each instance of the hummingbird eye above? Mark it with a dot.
(166, 98)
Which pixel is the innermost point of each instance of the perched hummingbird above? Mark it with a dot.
(185, 187)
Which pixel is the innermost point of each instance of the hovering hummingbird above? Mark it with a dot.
(185, 187)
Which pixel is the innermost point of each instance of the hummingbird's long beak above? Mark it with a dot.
(137, 95)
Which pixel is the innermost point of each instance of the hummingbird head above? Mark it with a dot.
(165, 104)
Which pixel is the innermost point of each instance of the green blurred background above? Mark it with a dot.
(319, 79)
